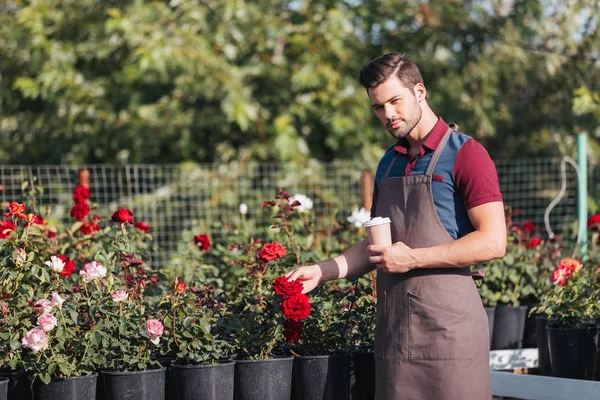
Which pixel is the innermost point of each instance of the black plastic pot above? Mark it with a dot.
(491, 311)
(509, 327)
(71, 388)
(4, 388)
(263, 379)
(362, 379)
(206, 382)
(530, 334)
(541, 321)
(134, 385)
(18, 385)
(573, 351)
(322, 377)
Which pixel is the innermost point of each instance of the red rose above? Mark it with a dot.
(80, 211)
(528, 227)
(81, 194)
(296, 307)
(202, 241)
(292, 330)
(88, 228)
(560, 275)
(142, 226)
(180, 288)
(16, 209)
(286, 288)
(8, 226)
(51, 234)
(594, 222)
(69, 267)
(534, 242)
(38, 220)
(123, 215)
(271, 251)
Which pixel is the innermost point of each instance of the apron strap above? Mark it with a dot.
(389, 169)
(477, 274)
(436, 154)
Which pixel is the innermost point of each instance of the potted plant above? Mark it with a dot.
(40, 334)
(129, 330)
(571, 304)
(321, 341)
(196, 338)
(510, 286)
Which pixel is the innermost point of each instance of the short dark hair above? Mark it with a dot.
(381, 68)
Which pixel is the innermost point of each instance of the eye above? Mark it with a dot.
(395, 101)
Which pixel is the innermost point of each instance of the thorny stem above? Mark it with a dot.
(289, 236)
(173, 323)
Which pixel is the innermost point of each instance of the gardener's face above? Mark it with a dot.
(396, 106)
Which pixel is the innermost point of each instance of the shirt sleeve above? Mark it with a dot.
(475, 175)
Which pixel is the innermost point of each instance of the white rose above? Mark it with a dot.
(306, 203)
(56, 264)
(359, 217)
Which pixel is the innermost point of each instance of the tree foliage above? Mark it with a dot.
(213, 80)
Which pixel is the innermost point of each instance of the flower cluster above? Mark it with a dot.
(572, 294)
(564, 270)
(81, 209)
(295, 306)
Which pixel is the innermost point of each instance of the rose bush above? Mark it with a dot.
(194, 324)
(572, 295)
(69, 306)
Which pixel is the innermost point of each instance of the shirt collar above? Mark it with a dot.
(433, 138)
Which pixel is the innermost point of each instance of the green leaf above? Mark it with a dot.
(188, 321)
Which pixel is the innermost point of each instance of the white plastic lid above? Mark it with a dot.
(377, 221)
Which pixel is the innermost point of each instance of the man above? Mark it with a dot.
(440, 189)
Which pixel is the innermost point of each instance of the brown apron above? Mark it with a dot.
(432, 340)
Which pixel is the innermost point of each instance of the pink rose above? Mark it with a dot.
(35, 339)
(119, 295)
(57, 300)
(93, 270)
(47, 322)
(155, 329)
(42, 306)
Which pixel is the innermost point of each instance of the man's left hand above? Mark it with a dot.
(397, 258)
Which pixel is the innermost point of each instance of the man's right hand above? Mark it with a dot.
(310, 276)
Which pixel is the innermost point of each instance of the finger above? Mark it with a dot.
(373, 248)
(293, 275)
(375, 259)
(399, 244)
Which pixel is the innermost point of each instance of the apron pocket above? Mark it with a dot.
(437, 331)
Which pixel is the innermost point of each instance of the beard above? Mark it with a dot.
(407, 125)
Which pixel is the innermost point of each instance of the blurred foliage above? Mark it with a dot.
(217, 80)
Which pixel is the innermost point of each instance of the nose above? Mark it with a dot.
(389, 112)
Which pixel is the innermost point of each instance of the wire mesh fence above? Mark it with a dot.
(173, 199)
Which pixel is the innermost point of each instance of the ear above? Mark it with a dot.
(420, 92)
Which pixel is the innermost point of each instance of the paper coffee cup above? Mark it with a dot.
(379, 231)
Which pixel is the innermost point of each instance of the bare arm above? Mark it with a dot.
(486, 242)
